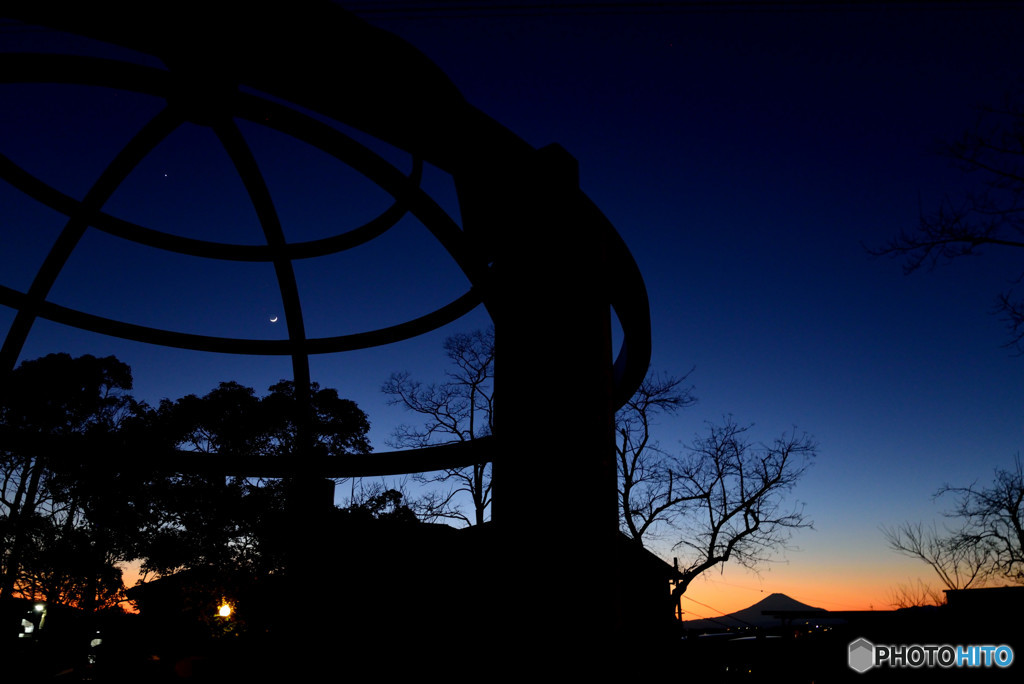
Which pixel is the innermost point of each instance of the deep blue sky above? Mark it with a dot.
(746, 158)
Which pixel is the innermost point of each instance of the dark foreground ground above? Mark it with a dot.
(129, 648)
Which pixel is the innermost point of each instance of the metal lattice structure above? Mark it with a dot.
(201, 86)
(540, 256)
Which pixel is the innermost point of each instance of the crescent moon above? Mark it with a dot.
(274, 319)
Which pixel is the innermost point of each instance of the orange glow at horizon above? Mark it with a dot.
(831, 588)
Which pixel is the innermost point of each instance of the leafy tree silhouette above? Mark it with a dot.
(65, 517)
(209, 519)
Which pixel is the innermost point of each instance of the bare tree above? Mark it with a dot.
(991, 157)
(733, 498)
(915, 594)
(720, 500)
(648, 495)
(958, 562)
(460, 409)
(993, 519)
(989, 541)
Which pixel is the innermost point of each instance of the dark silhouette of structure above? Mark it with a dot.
(540, 257)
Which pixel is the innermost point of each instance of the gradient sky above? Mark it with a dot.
(745, 156)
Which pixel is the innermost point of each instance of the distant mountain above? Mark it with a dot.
(752, 616)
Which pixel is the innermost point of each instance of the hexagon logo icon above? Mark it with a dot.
(862, 655)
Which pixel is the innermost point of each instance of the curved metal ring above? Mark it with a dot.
(237, 345)
(105, 73)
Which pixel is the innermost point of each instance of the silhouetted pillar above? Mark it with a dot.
(303, 651)
(554, 504)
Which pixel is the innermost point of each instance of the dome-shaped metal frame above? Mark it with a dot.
(245, 65)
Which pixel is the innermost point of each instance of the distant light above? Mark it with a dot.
(224, 610)
(40, 607)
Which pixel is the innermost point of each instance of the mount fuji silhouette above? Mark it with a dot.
(752, 616)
